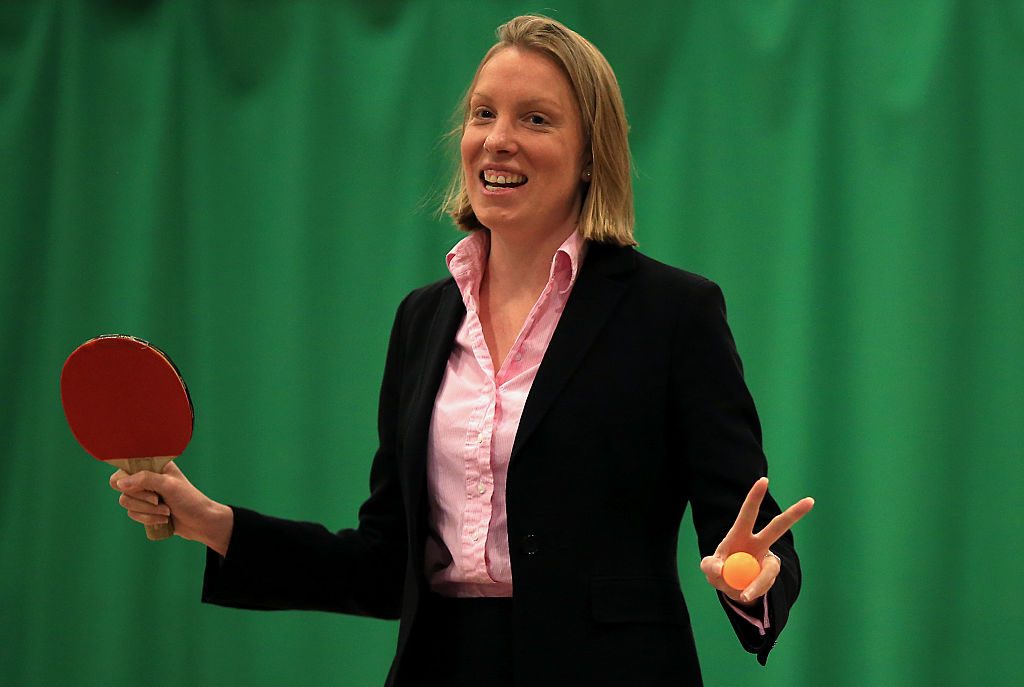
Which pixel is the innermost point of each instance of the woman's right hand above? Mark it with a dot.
(152, 498)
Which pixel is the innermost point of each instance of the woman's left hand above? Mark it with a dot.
(741, 537)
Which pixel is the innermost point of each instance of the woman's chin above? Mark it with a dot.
(499, 220)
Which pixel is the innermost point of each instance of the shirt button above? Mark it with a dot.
(518, 357)
(476, 536)
(480, 487)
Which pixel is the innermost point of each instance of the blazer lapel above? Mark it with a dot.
(437, 349)
(595, 294)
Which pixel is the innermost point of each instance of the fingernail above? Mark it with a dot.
(124, 483)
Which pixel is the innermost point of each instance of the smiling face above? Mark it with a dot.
(522, 145)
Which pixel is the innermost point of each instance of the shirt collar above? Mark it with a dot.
(565, 265)
(468, 258)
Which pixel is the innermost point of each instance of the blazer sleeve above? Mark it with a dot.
(275, 564)
(721, 439)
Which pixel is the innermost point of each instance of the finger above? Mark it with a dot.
(150, 505)
(751, 506)
(712, 569)
(782, 522)
(763, 582)
(143, 480)
(711, 566)
(727, 591)
(117, 477)
(148, 518)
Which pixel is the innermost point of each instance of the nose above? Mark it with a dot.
(501, 138)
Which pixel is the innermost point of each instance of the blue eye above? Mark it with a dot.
(538, 119)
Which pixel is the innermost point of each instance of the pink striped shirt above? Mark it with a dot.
(476, 416)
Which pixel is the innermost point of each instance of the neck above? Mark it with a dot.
(520, 263)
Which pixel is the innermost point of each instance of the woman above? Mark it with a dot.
(546, 415)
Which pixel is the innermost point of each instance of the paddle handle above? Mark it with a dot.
(154, 464)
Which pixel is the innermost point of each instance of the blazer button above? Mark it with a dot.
(530, 547)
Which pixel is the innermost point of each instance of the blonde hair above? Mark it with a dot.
(606, 215)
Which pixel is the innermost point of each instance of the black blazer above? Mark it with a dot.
(638, 409)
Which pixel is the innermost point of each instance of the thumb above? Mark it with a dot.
(144, 480)
(173, 471)
(711, 566)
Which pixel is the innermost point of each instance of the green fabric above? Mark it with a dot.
(251, 186)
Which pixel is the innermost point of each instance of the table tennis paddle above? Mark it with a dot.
(127, 405)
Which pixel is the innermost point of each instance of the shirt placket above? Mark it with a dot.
(520, 346)
(479, 477)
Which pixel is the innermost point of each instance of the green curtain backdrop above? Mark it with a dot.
(251, 186)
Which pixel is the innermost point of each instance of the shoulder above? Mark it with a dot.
(653, 278)
(671, 277)
(427, 297)
(421, 307)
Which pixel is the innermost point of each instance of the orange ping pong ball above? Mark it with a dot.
(740, 570)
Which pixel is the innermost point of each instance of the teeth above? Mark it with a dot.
(503, 178)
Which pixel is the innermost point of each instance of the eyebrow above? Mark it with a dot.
(542, 103)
